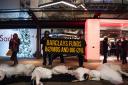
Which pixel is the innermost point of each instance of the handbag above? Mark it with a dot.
(9, 52)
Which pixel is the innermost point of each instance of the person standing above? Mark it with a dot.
(118, 50)
(45, 54)
(124, 47)
(81, 55)
(14, 44)
(105, 49)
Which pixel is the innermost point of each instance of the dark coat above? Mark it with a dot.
(14, 45)
(105, 46)
(124, 45)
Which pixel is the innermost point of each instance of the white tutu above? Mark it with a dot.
(41, 73)
(79, 73)
(109, 74)
(94, 74)
(2, 75)
(61, 69)
(9, 71)
(24, 69)
(20, 69)
(116, 68)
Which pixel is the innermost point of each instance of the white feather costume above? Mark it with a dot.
(110, 74)
(8, 70)
(25, 69)
(79, 73)
(116, 68)
(61, 69)
(94, 74)
(20, 69)
(41, 73)
(2, 75)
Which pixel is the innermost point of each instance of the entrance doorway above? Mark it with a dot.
(97, 29)
(114, 32)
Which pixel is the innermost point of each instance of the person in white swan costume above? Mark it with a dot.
(19, 69)
(94, 75)
(106, 71)
(110, 72)
(80, 73)
(60, 69)
(41, 73)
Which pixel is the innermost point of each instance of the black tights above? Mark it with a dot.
(14, 57)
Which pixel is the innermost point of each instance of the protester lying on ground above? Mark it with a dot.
(60, 69)
(112, 73)
(109, 72)
(115, 67)
(80, 74)
(94, 75)
(19, 69)
(41, 73)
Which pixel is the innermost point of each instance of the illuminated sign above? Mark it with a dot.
(28, 42)
(4, 38)
(70, 46)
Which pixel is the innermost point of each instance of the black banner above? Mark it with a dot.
(66, 46)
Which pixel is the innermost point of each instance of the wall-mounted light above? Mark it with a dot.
(82, 6)
(56, 3)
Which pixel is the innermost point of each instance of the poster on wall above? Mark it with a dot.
(28, 41)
